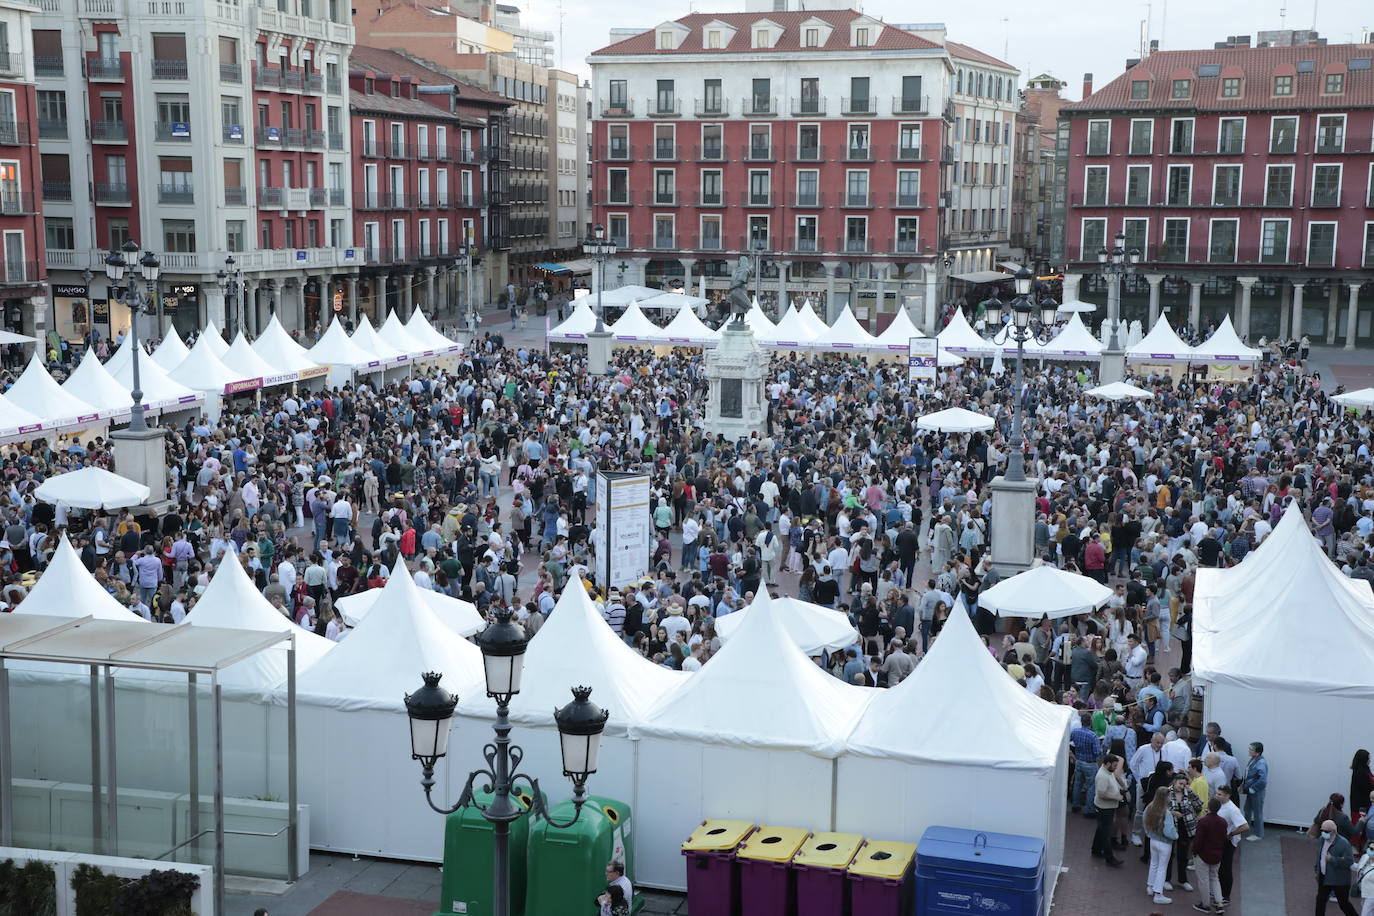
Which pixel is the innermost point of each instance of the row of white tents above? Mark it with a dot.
(174, 378)
(760, 733)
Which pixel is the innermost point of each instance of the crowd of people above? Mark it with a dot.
(481, 478)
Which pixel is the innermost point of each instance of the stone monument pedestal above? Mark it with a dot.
(1112, 367)
(141, 456)
(598, 352)
(736, 406)
(1013, 525)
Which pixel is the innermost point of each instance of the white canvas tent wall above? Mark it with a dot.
(1283, 652)
(578, 325)
(1224, 346)
(751, 736)
(812, 628)
(575, 647)
(91, 382)
(959, 337)
(354, 736)
(170, 353)
(951, 745)
(460, 616)
(686, 329)
(845, 334)
(36, 393)
(1160, 345)
(341, 354)
(16, 423)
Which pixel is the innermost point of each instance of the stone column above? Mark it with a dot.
(782, 287)
(1333, 304)
(1352, 316)
(1154, 280)
(932, 295)
(1296, 332)
(638, 269)
(1285, 302)
(214, 304)
(353, 299)
(248, 308)
(429, 287)
(1246, 285)
(407, 294)
(1195, 304)
(1071, 282)
(687, 265)
(831, 294)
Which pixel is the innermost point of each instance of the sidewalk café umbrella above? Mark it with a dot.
(1076, 305)
(1119, 391)
(92, 488)
(1044, 591)
(1363, 398)
(955, 420)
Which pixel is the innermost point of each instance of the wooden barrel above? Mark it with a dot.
(1195, 717)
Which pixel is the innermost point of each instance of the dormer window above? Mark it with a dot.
(1283, 85)
(861, 37)
(811, 38)
(369, 86)
(762, 38)
(713, 39)
(1182, 88)
(665, 40)
(1335, 84)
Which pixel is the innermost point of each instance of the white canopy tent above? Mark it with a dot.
(761, 324)
(341, 354)
(1074, 342)
(242, 359)
(759, 711)
(203, 370)
(171, 352)
(418, 327)
(213, 339)
(1077, 305)
(634, 327)
(623, 296)
(1044, 591)
(1118, 391)
(1225, 346)
(686, 329)
(9, 337)
(960, 337)
(578, 325)
(792, 331)
(278, 350)
(695, 304)
(16, 422)
(160, 391)
(810, 320)
(1247, 622)
(1160, 345)
(66, 588)
(955, 420)
(812, 628)
(91, 382)
(92, 488)
(36, 393)
(462, 617)
(1360, 399)
(394, 332)
(367, 800)
(938, 741)
(366, 337)
(846, 334)
(896, 337)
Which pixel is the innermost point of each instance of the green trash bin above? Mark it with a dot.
(567, 865)
(469, 860)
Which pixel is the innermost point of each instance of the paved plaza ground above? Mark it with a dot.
(1273, 876)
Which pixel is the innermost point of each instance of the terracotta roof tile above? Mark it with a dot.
(1258, 66)
(964, 52)
(382, 61)
(890, 39)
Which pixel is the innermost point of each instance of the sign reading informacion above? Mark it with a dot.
(923, 357)
(622, 507)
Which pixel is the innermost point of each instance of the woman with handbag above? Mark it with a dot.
(1333, 811)
(1162, 831)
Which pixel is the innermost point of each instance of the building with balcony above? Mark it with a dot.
(1245, 177)
(23, 292)
(420, 180)
(815, 133)
(244, 152)
(1033, 170)
(569, 136)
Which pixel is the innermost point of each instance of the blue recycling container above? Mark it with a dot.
(976, 871)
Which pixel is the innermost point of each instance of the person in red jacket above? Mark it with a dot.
(1095, 559)
(1209, 843)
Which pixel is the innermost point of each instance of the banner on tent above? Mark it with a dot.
(922, 359)
(248, 384)
(622, 507)
(314, 373)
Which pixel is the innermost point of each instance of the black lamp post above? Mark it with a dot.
(580, 724)
(1025, 324)
(461, 261)
(232, 280)
(758, 267)
(117, 263)
(1113, 265)
(601, 250)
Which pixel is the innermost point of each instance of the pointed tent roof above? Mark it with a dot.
(1244, 634)
(792, 330)
(203, 370)
(812, 321)
(687, 328)
(1160, 344)
(1360, 399)
(1226, 346)
(579, 324)
(419, 327)
(14, 418)
(763, 325)
(336, 348)
(960, 337)
(674, 301)
(811, 628)
(244, 360)
(394, 332)
(955, 420)
(278, 350)
(36, 392)
(1074, 340)
(458, 615)
(232, 601)
(159, 389)
(213, 339)
(66, 588)
(170, 353)
(1117, 391)
(381, 660)
(897, 335)
(960, 707)
(93, 383)
(622, 296)
(760, 690)
(575, 646)
(365, 336)
(634, 326)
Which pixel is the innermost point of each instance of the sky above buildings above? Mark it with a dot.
(1066, 38)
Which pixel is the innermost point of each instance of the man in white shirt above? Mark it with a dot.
(1136, 657)
(1236, 825)
(1177, 752)
(693, 661)
(691, 530)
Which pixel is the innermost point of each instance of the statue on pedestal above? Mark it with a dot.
(739, 288)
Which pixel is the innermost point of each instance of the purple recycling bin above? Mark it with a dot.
(713, 878)
(768, 885)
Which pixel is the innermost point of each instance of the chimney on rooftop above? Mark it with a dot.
(1154, 45)
(1087, 85)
